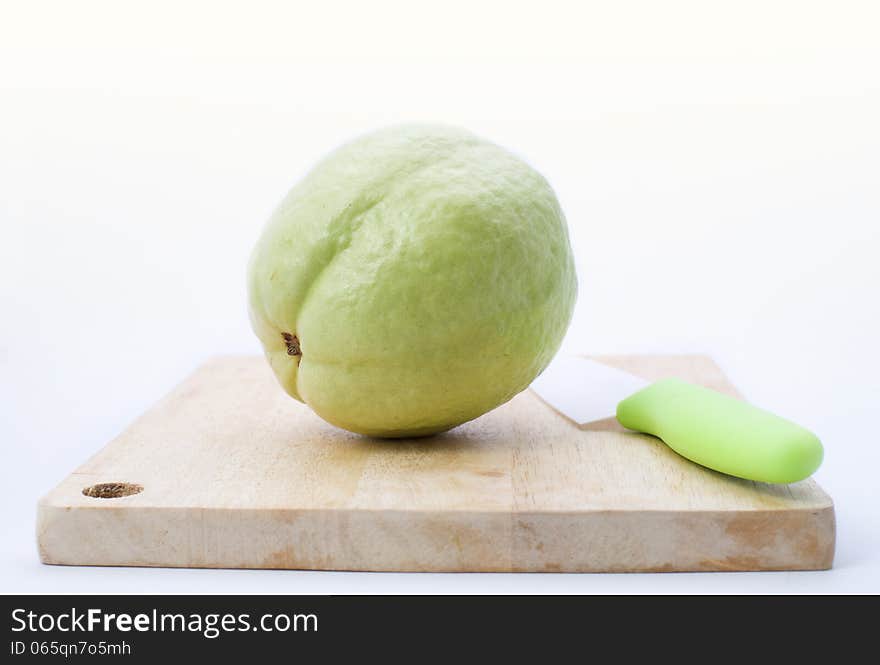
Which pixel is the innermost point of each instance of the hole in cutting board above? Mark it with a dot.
(112, 490)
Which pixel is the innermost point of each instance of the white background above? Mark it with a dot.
(719, 164)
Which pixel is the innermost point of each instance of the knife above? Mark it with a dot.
(705, 426)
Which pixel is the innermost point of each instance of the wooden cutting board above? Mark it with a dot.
(229, 472)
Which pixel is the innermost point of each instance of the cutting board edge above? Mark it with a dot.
(523, 541)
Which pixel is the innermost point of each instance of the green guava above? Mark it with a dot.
(415, 279)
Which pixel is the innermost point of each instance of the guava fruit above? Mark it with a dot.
(416, 278)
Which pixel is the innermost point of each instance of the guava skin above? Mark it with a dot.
(415, 279)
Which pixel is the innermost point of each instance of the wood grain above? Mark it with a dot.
(235, 474)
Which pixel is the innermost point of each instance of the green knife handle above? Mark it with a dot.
(722, 433)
